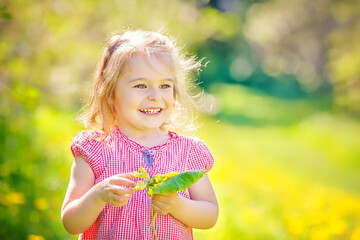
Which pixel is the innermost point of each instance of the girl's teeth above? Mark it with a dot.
(152, 111)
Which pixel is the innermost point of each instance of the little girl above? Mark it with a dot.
(139, 93)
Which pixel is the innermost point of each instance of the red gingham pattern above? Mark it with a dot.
(119, 154)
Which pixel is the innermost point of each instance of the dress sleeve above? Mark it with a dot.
(200, 157)
(89, 149)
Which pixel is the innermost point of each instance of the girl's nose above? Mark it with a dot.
(153, 94)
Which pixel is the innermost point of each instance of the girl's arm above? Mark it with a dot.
(84, 201)
(200, 211)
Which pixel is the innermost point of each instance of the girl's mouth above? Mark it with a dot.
(150, 111)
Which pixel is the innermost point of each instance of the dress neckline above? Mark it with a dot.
(134, 144)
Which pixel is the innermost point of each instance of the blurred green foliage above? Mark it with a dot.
(283, 79)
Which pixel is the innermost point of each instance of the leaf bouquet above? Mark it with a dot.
(166, 183)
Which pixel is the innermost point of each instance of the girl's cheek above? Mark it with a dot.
(171, 97)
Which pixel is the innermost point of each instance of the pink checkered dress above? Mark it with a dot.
(119, 154)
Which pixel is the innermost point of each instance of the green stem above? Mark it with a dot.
(153, 216)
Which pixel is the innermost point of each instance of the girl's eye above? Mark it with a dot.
(164, 86)
(141, 86)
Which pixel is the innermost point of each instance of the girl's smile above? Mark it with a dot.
(144, 95)
(151, 111)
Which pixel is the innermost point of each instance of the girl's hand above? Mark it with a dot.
(164, 203)
(116, 190)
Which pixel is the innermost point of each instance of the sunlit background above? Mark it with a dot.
(280, 113)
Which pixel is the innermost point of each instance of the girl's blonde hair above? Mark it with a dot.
(99, 112)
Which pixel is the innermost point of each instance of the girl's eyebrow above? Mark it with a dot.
(168, 79)
(145, 79)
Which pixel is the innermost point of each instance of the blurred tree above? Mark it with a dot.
(316, 41)
(237, 60)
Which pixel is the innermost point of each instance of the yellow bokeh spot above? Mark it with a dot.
(338, 227)
(320, 233)
(14, 198)
(295, 227)
(41, 204)
(356, 234)
(35, 237)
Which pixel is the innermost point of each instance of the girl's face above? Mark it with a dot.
(144, 95)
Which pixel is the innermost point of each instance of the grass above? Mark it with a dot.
(285, 181)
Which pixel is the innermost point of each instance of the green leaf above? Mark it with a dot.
(179, 182)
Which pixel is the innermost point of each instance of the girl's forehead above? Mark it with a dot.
(140, 64)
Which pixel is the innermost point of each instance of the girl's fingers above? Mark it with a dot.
(117, 200)
(160, 197)
(166, 198)
(126, 175)
(122, 191)
(160, 208)
(163, 203)
(159, 204)
(157, 210)
(120, 181)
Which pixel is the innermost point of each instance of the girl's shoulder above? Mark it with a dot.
(188, 138)
(88, 136)
(199, 155)
(191, 140)
(88, 144)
